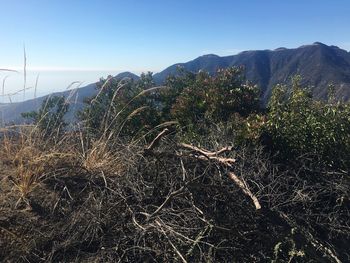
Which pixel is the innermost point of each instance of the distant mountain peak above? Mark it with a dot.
(319, 44)
(280, 49)
(210, 56)
(315, 44)
(127, 74)
(317, 63)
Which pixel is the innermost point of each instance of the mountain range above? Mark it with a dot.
(318, 64)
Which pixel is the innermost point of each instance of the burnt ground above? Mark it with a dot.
(75, 216)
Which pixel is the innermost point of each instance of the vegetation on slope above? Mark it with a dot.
(193, 171)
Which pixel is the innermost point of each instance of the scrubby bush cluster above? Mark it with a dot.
(301, 126)
(195, 170)
(292, 125)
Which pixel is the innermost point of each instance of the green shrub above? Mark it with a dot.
(216, 98)
(298, 125)
(199, 102)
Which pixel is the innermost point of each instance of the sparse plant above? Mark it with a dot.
(122, 108)
(49, 119)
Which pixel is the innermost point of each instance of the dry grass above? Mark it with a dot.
(32, 158)
(100, 159)
(36, 157)
(164, 206)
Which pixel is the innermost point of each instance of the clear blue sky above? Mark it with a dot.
(150, 35)
(82, 40)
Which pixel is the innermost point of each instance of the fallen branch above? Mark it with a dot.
(206, 152)
(245, 189)
(207, 155)
(228, 162)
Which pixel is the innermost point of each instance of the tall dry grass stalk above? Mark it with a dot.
(24, 72)
(36, 85)
(103, 154)
(107, 124)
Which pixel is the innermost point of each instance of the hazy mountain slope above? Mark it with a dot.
(11, 112)
(318, 64)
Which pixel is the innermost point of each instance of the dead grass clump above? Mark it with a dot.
(32, 160)
(100, 159)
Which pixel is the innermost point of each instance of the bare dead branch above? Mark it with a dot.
(206, 152)
(245, 189)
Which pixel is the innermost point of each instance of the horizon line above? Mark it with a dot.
(20, 69)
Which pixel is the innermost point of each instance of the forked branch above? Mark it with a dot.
(205, 155)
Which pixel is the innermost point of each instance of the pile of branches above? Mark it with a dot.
(176, 202)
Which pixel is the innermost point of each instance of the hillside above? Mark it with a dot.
(11, 112)
(318, 64)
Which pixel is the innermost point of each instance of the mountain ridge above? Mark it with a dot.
(270, 67)
(317, 63)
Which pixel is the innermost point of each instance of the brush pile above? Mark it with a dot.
(169, 202)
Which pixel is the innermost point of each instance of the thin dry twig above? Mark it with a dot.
(156, 140)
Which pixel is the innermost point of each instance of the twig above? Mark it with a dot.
(198, 239)
(183, 170)
(245, 189)
(177, 251)
(169, 197)
(171, 243)
(211, 155)
(156, 140)
(206, 152)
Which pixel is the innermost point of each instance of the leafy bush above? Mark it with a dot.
(216, 98)
(298, 125)
(199, 102)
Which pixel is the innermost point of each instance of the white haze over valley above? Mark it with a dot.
(48, 81)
